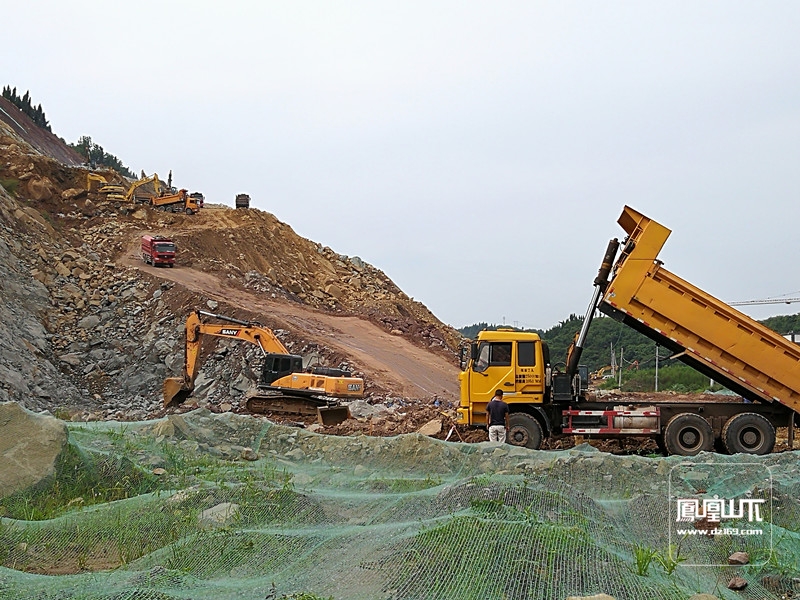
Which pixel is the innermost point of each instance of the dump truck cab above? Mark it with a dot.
(517, 362)
(513, 361)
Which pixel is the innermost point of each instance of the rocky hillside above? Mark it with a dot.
(88, 330)
(40, 140)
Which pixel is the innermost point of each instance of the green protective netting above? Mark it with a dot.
(172, 509)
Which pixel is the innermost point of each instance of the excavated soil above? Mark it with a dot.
(393, 363)
(249, 265)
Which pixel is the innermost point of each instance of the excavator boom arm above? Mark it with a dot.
(176, 389)
(131, 193)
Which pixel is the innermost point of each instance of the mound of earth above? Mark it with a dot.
(90, 331)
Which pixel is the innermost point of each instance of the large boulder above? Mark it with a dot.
(30, 445)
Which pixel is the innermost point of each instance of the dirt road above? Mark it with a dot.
(388, 360)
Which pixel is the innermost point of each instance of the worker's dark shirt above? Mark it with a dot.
(497, 410)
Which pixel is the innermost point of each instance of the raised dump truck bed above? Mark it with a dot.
(700, 330)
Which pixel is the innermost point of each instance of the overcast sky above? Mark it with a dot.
(479, 153)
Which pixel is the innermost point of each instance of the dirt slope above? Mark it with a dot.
(41, 140)
(388, 360)
(105, 330)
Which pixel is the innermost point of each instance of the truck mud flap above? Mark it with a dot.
(332, 415)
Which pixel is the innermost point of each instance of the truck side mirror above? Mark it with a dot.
(464, 356)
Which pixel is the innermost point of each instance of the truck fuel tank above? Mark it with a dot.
(635, 421)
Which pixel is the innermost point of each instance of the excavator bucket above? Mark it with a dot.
(332, 415)
(175, 392)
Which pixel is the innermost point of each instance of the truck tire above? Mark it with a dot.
(524, 430)
(748, 433)
(189, 211)
(688, 434)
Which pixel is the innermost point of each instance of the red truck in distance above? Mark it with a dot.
(158, 251)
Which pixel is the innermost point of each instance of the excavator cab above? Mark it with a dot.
(279, 365)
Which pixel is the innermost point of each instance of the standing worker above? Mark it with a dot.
(497, 418)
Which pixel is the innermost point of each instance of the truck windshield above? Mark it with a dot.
(492, 354)
(165, 247)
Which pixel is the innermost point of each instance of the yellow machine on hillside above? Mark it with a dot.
(698, 329)
(143, 197)
(606, 372)
(99, 184)
(283, 387)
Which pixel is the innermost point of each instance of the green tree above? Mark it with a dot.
(24, 104)
(96, 156)
(607, 335)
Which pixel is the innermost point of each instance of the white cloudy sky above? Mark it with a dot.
(478, 152)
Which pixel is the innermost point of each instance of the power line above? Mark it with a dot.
(765, 301)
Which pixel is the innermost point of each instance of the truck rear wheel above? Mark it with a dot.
(524, 430)
(688, 434)
(748, 433)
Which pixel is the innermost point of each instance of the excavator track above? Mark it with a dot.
(275, 401)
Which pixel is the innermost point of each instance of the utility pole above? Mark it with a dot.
(656, 367)
(621, 350)
(613, 361)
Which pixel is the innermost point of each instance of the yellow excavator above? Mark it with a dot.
(130, 195)
(110, 191)
(283, 387)
(602, 373)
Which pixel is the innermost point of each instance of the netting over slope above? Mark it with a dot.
(386, 518)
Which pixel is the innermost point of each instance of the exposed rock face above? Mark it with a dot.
(30, 444)
(28, 367)
(86, 333)
(37, 140)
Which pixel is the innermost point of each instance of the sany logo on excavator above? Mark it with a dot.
(229, 331)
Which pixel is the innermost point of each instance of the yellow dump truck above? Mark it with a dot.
(180, 201)
(698, 329)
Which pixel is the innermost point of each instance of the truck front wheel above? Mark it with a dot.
(748, 433)
(688, 434)
(524, 430)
